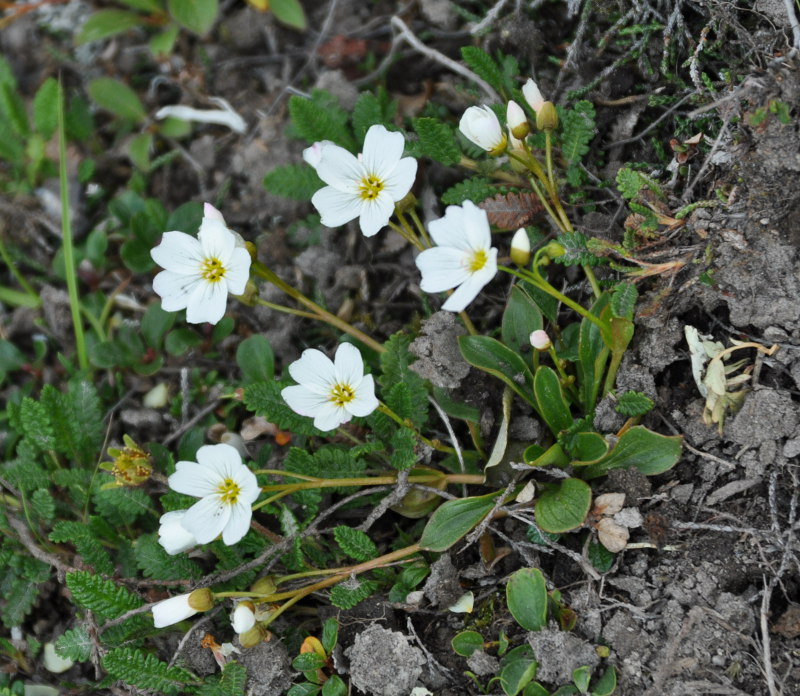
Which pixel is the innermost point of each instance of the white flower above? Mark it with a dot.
(312, 155)
(227, 489)
(331, 392)
(481, 125)
(520, 247)
(540, 340)
(517, 121)
(464, 258)
(243, 618)
(532, 95)
(199, 273)
(172, 535)
(172, 611)
(365, 187)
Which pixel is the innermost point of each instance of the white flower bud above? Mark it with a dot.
(481, 125)
(312, 155)
(532, 95)
(209, 211)
(243, 618)
(540, 340)
(172, 535)
(172, 611)
(521, 248)
(517, 121)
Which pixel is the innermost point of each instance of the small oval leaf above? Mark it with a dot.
(526, 595)
(454, 519)
(563, 506)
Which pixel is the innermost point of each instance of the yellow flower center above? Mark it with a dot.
(229, 491)
(342, 394)
(477, 260)
(370, 187)
(212, 270)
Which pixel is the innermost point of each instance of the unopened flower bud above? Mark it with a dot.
(243, 617)
(521, 248)
(517, 121)
(264, 585)
(201, 599)
(481, 125)
(540, 340)
(172, 611)
(532, 95)
(251, 638)
(547, 117)
(553, 250)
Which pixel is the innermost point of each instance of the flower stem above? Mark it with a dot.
(420, 227)
(285, 309)
(412, 234)
(9, 262)
(316, 311)
(406, 234)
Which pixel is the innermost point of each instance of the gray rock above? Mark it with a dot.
(439, 359)
(268, 668)
(559, 654)
(382, 663)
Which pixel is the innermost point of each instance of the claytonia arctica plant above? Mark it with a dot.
(200, 272)
(331, 392)
(364, 187)
(227, 489)
(463, 258)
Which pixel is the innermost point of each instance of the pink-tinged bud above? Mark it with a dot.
(517, 121)
(209, 211)
(312, 155)
(540, 340)
(532, 95)
(481, 125)
(521, 248)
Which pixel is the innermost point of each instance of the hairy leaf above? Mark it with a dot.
(437, 141)
(475, 189)
(320, 118)
(297, 181)
(146, 671)
(104, 597)
(355, 543)
(346, 597)
(75, 644)
(633, 403)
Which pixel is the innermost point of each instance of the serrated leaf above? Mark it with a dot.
(577, 131)
(370, 110)
(155, 324)
(104, 597)
(475, 189)
(320, 118)
(623, 300)
(230, 683)
(510, 211)
(116, 97)
(88, 547)
(43, 506)
(576, 251)
(12, 105)
(437, 141)
(395, 367)
(156, 563)
(146, 671)
(36, 423)
(106, 23)
(296, 181)
(45, 108)
(483, 65)
(355, 543)
(401, 446)
(197, 16)
(632, 404)
(75, 644)
(264, 398)
(346, 597)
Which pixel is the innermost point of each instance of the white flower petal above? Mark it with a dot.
(193, 479)
(442, 268)
(209, 211)
(465, 293)
(348, 365)
(218, 241)
(382, 151)
(315, 371)
(172, 535)
(476, 227)
(207, 303)
(238, 523)
(175, 289)
(400, 181)
(330, 416)
(339, 168)
(172, 611)
(303, 401)
(365, 401)
(178, 252)
(237, 272)
(375, 214)
(448, 231)
(224, 460)
(207, 518)
(336, 207)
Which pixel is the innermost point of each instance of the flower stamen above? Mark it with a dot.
(370, 187)
(229, 491)
(212, 270)
(478, 260)
(342, 394)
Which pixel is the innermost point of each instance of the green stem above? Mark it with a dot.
(611, 375)
(66, 233)
(412, 234)
(592, 278)
(566, 382)
(9, 262)
(468, 323)
(321, 314)
(16, 298)
(498, 174)
(420, 227)
(285, 309)
(407, 234)
(438, 446)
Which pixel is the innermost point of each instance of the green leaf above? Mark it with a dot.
(535, 689)
(607, 684)
(623, 300)
(11, 358)
(437, 141)
(320, 118)
(12, 105)
(36, 423)
(520, 318)
(45, 108)
(139, 148)
(296, 181)
(355, 543)
(75, 645)
(581, 677)
(577, 251)
(553, 406)
(43, 506)
(346, 597)
(563, 506)
(308, 662)
(476, 189)
(491, 356)
(633, 404)
(264, 398)
(230, 683)
(330, 634)
(155, 324)
(641, 448)
(163, 43)
(526, 595)
(592, 357)
(599, 556)
(197, 16)
(466, 643)
(516, 675)
(412, 397)
(105, 23)
(454, 519)
(371, 110)
(119, 99)
(401, 446)
(89, 548)
(304, 689)
(180, 340)
(455, 409)
(255, 359)
(484, 66)
(577, 131)
(334, 687)
(290, 13)
(156, 563)
(145, 671)
(104, 597)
